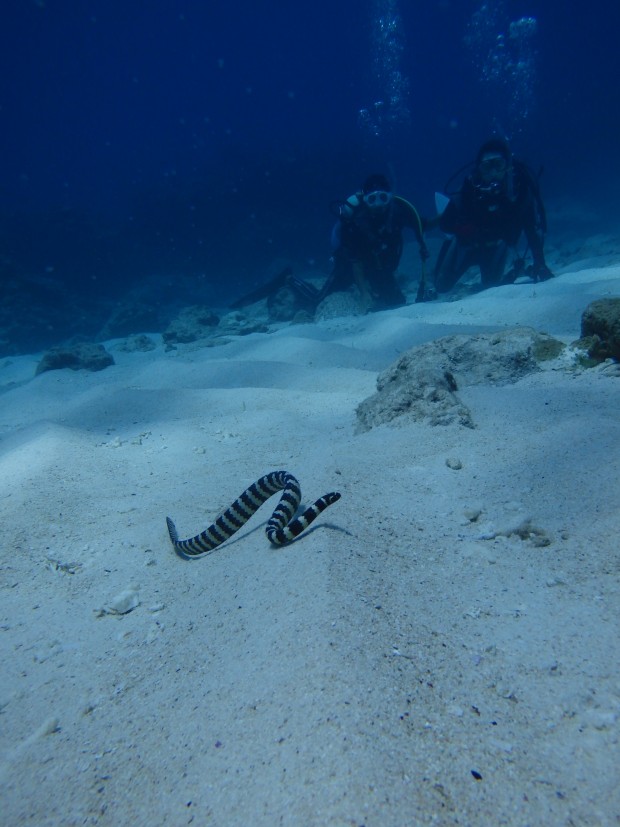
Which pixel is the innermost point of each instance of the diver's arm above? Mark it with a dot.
(449, 219)
(532, 228)
(459, 217)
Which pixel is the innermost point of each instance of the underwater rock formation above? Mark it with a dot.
(422, 384)
(192, 323)
(84, 356)
(600, 328)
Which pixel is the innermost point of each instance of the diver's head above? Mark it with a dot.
(377, 192)
(493, 164)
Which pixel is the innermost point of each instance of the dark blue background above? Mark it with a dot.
(206, 138)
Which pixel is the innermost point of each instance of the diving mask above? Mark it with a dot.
(492, 167)
(379, 199)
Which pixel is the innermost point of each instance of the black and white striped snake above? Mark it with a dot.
(282, 527)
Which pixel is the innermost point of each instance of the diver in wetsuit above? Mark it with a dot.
(368, 243)
(497, 203)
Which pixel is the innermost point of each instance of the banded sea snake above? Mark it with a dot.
(282, 527)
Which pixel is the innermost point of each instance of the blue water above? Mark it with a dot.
(182, 147)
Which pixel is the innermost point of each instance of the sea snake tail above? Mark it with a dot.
(282, 527)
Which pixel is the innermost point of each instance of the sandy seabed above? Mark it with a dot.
(410, 660)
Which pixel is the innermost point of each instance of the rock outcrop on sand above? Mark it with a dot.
(422, 384)
(600, 329)
(83, 356)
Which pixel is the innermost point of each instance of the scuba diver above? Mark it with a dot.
(367, 244)
(496, 204)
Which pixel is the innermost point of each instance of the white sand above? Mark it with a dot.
(357, 677)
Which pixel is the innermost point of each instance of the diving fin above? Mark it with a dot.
(265, 290)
